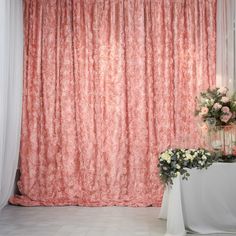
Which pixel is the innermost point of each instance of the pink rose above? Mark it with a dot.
(226, 118)
(217, 106)
(225, 99)
(225, 109)
(223, 90)
(204, 111)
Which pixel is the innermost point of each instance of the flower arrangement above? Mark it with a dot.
(175, 162)
(216, 108)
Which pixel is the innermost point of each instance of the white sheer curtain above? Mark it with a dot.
(11, 73)
(226, 44)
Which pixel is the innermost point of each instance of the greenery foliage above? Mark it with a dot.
(175, 162)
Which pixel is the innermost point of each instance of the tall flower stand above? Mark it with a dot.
(222, 141)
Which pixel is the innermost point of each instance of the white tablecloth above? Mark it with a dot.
(205, 203)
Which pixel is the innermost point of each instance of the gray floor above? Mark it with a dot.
(81, 221)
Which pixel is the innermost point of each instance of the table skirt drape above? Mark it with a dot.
(204, 204)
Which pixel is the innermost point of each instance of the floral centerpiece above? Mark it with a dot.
(216, 108)
(217, 111)
(175, 162)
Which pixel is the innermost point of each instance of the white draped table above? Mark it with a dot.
(205, 203)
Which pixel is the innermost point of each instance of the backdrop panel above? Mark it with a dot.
(108, 84)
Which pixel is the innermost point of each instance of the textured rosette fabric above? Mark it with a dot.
(108, 84)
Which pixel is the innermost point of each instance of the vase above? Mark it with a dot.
(222, 139)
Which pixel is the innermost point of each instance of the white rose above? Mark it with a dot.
(177, 166)
(210, 102)
(189, 157)
(165, 156)
(177, 173)
(204, 157)
(224, 99)
(223, 90)
(217, 106)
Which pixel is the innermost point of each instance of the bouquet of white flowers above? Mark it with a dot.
(175, 162)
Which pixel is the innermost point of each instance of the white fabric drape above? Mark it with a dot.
(11, 73)
(226, 44)
(205, 204)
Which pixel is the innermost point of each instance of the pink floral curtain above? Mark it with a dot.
(108, 84)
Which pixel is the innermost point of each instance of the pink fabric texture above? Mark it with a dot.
(108, 84)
